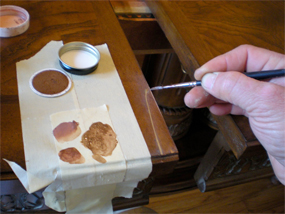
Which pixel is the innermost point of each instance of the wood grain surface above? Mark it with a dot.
(205, 29)
(259, 196)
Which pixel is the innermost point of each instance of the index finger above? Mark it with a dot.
(243, 58)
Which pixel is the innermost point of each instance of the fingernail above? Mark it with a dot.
(200, 72)
(208, 80)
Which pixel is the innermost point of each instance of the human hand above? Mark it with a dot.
(232, 92)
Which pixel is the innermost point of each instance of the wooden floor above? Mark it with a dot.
(253, 197)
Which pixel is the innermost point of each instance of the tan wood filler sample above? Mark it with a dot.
(101, 140)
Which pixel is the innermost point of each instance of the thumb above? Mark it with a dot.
(233, 87)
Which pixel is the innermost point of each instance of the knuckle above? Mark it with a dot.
(229, 87)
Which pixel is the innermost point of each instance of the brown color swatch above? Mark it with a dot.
(67, 131)
(101, 140)
(71, 155)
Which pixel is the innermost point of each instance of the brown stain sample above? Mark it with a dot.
(101, 140)
(71, 155)
(50, 82)
(67, 131)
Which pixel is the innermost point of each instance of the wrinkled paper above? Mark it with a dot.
(99, 96)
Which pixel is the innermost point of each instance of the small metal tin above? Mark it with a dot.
(79, 58)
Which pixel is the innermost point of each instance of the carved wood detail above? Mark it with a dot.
(220, 167)
(140, 196)
(164, 69)
(178, 120)
(230, 165)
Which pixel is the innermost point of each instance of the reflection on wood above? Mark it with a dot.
(259, 196)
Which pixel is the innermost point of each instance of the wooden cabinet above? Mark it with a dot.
(189, 128)
(224, 150)
(93, 22)
(188, 147)
(220, 168)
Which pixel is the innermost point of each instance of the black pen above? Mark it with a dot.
(258, 75)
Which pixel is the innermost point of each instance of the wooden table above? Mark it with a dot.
(93, 22)
(201, 30)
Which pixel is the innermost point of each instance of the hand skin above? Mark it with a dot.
(225, 90)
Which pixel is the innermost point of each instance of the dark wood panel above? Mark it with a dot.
(145, 37)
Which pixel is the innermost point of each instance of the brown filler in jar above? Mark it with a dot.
(50, 82)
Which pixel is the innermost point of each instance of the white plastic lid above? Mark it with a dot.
(14, 20)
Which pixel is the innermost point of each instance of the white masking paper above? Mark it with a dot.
(96, 97)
